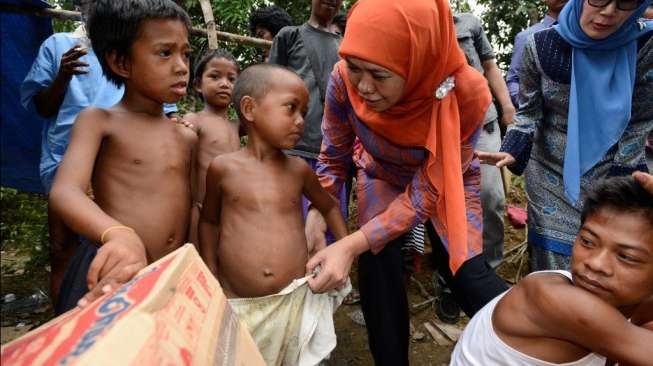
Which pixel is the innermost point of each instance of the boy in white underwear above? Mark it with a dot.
(251, 231)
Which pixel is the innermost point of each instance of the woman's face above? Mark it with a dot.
(600, 23)
(379, 87)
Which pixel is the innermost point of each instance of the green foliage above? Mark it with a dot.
(503, 19)
(24, 226)
(63, 25)
(460, 6)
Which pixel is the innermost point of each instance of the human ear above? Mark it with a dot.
(119, 64)
(248, 108)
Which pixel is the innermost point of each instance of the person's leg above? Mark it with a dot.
(384, 304)
(475, 283)
(493, 199)
(63, 242)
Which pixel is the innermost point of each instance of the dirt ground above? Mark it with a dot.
(352, 348)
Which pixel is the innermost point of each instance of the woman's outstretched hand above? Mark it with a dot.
(498, 159)
(335, 262)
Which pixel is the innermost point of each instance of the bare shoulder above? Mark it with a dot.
(539, 287)
(298, 165)
(554, 298)
(94, 117)
(222, 164)
(529, 302)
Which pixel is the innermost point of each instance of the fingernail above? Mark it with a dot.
(106, 288)
(82, 302)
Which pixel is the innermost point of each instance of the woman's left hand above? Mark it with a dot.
(335, 262)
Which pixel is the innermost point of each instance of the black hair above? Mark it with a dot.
(209, 55)
(272, 18)
(622, 194)
(255, 81)
(113, 26)
(341, 21)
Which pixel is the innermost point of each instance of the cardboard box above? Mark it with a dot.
(173, 313)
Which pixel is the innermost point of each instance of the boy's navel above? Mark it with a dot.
(267, 272)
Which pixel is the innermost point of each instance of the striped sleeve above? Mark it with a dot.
(335, 157)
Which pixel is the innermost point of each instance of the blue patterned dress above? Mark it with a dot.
(538, 138)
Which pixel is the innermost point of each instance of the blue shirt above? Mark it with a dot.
(518, 49)
(88, 90)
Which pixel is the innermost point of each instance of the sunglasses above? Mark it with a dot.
(626, 5)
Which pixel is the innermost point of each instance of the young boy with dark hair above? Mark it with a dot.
(138, 162)
(311, 51)
(603, 308)
(266, 22)
(252, 229)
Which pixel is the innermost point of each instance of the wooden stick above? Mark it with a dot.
(76, 16)
(210, 24)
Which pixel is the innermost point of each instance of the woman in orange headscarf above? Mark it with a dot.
(404, 106)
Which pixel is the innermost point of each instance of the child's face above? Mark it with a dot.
(325, 9)
(613, 257)
(217, 82)
(278, 116)
(158, 64)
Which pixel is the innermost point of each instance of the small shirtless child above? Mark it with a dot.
(603, 308)
(251, 227)
(214, 77)
(138, 162)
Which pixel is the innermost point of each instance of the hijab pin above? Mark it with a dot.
(444, 88)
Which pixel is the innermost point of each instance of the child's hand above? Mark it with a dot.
(183, 122)
(498, 159)
(116, 262)
(70, 64)
(645, 180)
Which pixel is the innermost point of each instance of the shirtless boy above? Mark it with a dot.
(554, 317)
(139, 164)
(251, 227)
(213, 78)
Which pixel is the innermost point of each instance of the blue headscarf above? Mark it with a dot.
(602, 82)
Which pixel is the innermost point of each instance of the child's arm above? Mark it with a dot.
(209, 219)
(327, 205)
(567, 312)
(122, 253)
(192, 122)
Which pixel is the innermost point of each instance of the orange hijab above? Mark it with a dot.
(416, 39)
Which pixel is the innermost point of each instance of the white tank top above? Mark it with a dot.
(479, 345)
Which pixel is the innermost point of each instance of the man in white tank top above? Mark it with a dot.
(603, 308)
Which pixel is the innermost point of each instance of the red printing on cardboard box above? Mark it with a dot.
(89, 326)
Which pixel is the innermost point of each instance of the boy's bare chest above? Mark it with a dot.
(158, 149)
(215, 140)
(280, 192)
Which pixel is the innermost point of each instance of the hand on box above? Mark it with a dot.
(117, 261)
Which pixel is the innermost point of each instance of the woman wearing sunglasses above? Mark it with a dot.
(586, 107)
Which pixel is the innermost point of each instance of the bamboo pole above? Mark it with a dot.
(75, 15)
(207, 10)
